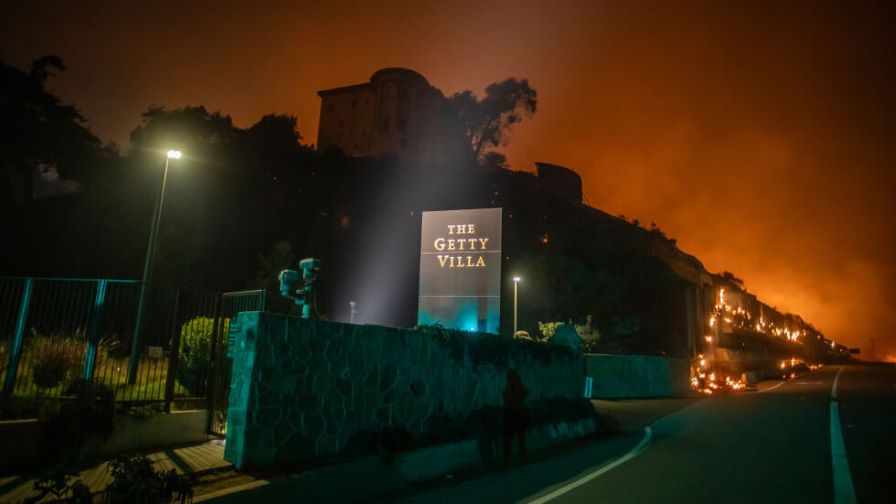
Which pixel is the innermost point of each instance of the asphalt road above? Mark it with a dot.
(774, 445)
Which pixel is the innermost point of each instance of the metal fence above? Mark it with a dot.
(54, 331)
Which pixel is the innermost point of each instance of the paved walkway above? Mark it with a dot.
(198, 458)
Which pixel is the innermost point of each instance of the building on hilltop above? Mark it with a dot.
(394, 113)
(560, 180)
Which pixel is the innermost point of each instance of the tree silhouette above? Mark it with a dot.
(37, 129)
(486, 123)
(274, 146)
(204, 136)
(739, 282)
(494, 161)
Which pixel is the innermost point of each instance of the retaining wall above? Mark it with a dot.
(23, 443)
(303, 389)
(621, 376)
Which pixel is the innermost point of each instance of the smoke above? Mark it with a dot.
(759, 134)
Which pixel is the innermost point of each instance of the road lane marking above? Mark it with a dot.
(834, 387)
(772, 388)
(634, 452)
(844, 492)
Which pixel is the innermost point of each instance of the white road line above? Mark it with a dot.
(634, 452)
(844, 492)
(771, 388)
(834, 387)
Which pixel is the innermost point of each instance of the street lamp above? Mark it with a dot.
(147, 268)
(516, 283)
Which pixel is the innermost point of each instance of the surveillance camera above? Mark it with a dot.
(309, 263)
(289, 284)
(289, 279)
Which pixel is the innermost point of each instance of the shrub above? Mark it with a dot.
(547, 329)
(134, 479)
(523, 335)
(62, 485)
(54, 359)
(195, 353)
(589, 334)
(59, 357)
(88, 412)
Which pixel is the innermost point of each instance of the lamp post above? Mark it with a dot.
(516, 283)
(147, 269)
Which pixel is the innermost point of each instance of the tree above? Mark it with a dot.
(276, 130)
(274, 145)
(36, 129)
(486, 123)
(269, 266)
(204, 136)
(230, 178)
(493, 160)
(266, 149)
(731, 277)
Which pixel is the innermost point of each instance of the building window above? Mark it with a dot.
(331, 107)
(340, 123)
(402, 93)
(354, 104)
(384, 125)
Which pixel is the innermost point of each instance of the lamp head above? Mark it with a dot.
(174, 154)
(516, 279)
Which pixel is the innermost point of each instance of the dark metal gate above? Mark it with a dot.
(232, 304)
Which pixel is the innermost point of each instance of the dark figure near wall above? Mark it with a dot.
(515, 415)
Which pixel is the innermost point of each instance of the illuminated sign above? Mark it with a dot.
(460, 269)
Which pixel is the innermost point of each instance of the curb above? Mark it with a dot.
(372, 477)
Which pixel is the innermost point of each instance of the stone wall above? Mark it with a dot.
(304, 389)
(621, 376)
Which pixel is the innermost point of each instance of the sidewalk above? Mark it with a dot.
(621, 425)
(621, 416)
(195, 459)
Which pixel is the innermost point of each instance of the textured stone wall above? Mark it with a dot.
(620, 376)
(302, 389)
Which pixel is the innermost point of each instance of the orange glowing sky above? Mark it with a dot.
(761, 135)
